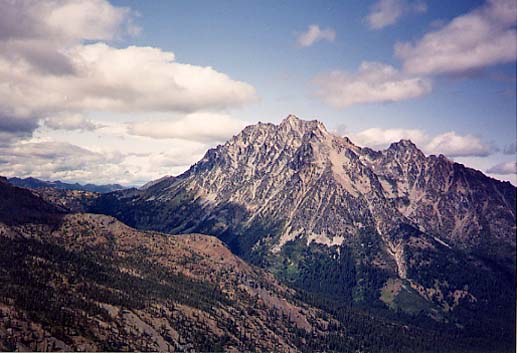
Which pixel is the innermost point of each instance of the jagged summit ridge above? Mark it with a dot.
(296, 123)
(327, 215)
(292, 126)
(324, 188)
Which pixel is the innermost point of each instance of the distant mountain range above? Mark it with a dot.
(33, 183)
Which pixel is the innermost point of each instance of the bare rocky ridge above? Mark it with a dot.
(383, 250)
(78, 281)
(289, 197)
(89, 282)
(324, 188)
(459, 204)
(165, 323)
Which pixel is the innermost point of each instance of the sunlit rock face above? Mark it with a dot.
(310, 184)
(392, 229)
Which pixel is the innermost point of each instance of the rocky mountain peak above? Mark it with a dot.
(292, 122)
(405, 149)
(318, 187)
(291, 119)
(404, 144)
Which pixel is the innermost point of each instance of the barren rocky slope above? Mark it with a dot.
(396, 231)
(88, 282)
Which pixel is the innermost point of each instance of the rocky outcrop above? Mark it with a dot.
(339, 220)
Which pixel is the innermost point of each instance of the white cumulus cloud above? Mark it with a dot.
(453, 145)
(47, 68)
(449, 143)
(315, 34)
(86, 19)
(373, 82)
(128, 79)
(381, 138)
(483, 37)
(64, 20)
(49, 159)
(202, 127)
(54, 160)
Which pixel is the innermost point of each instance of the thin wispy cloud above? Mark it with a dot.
(385, 13)
(315, 34)
(506, 168)
(70, 122)
(510, 148)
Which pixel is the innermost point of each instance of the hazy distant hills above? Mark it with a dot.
(33, 183)
(400, 233)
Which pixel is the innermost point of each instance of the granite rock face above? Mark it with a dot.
(391, 229)
(308, 183)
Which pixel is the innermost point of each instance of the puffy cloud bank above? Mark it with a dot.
(373, 82)
(450, 143)
(47, 67)
(202, 127)
(483, 37)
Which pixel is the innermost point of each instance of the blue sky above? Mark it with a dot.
(256, 43)
(367, 69)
